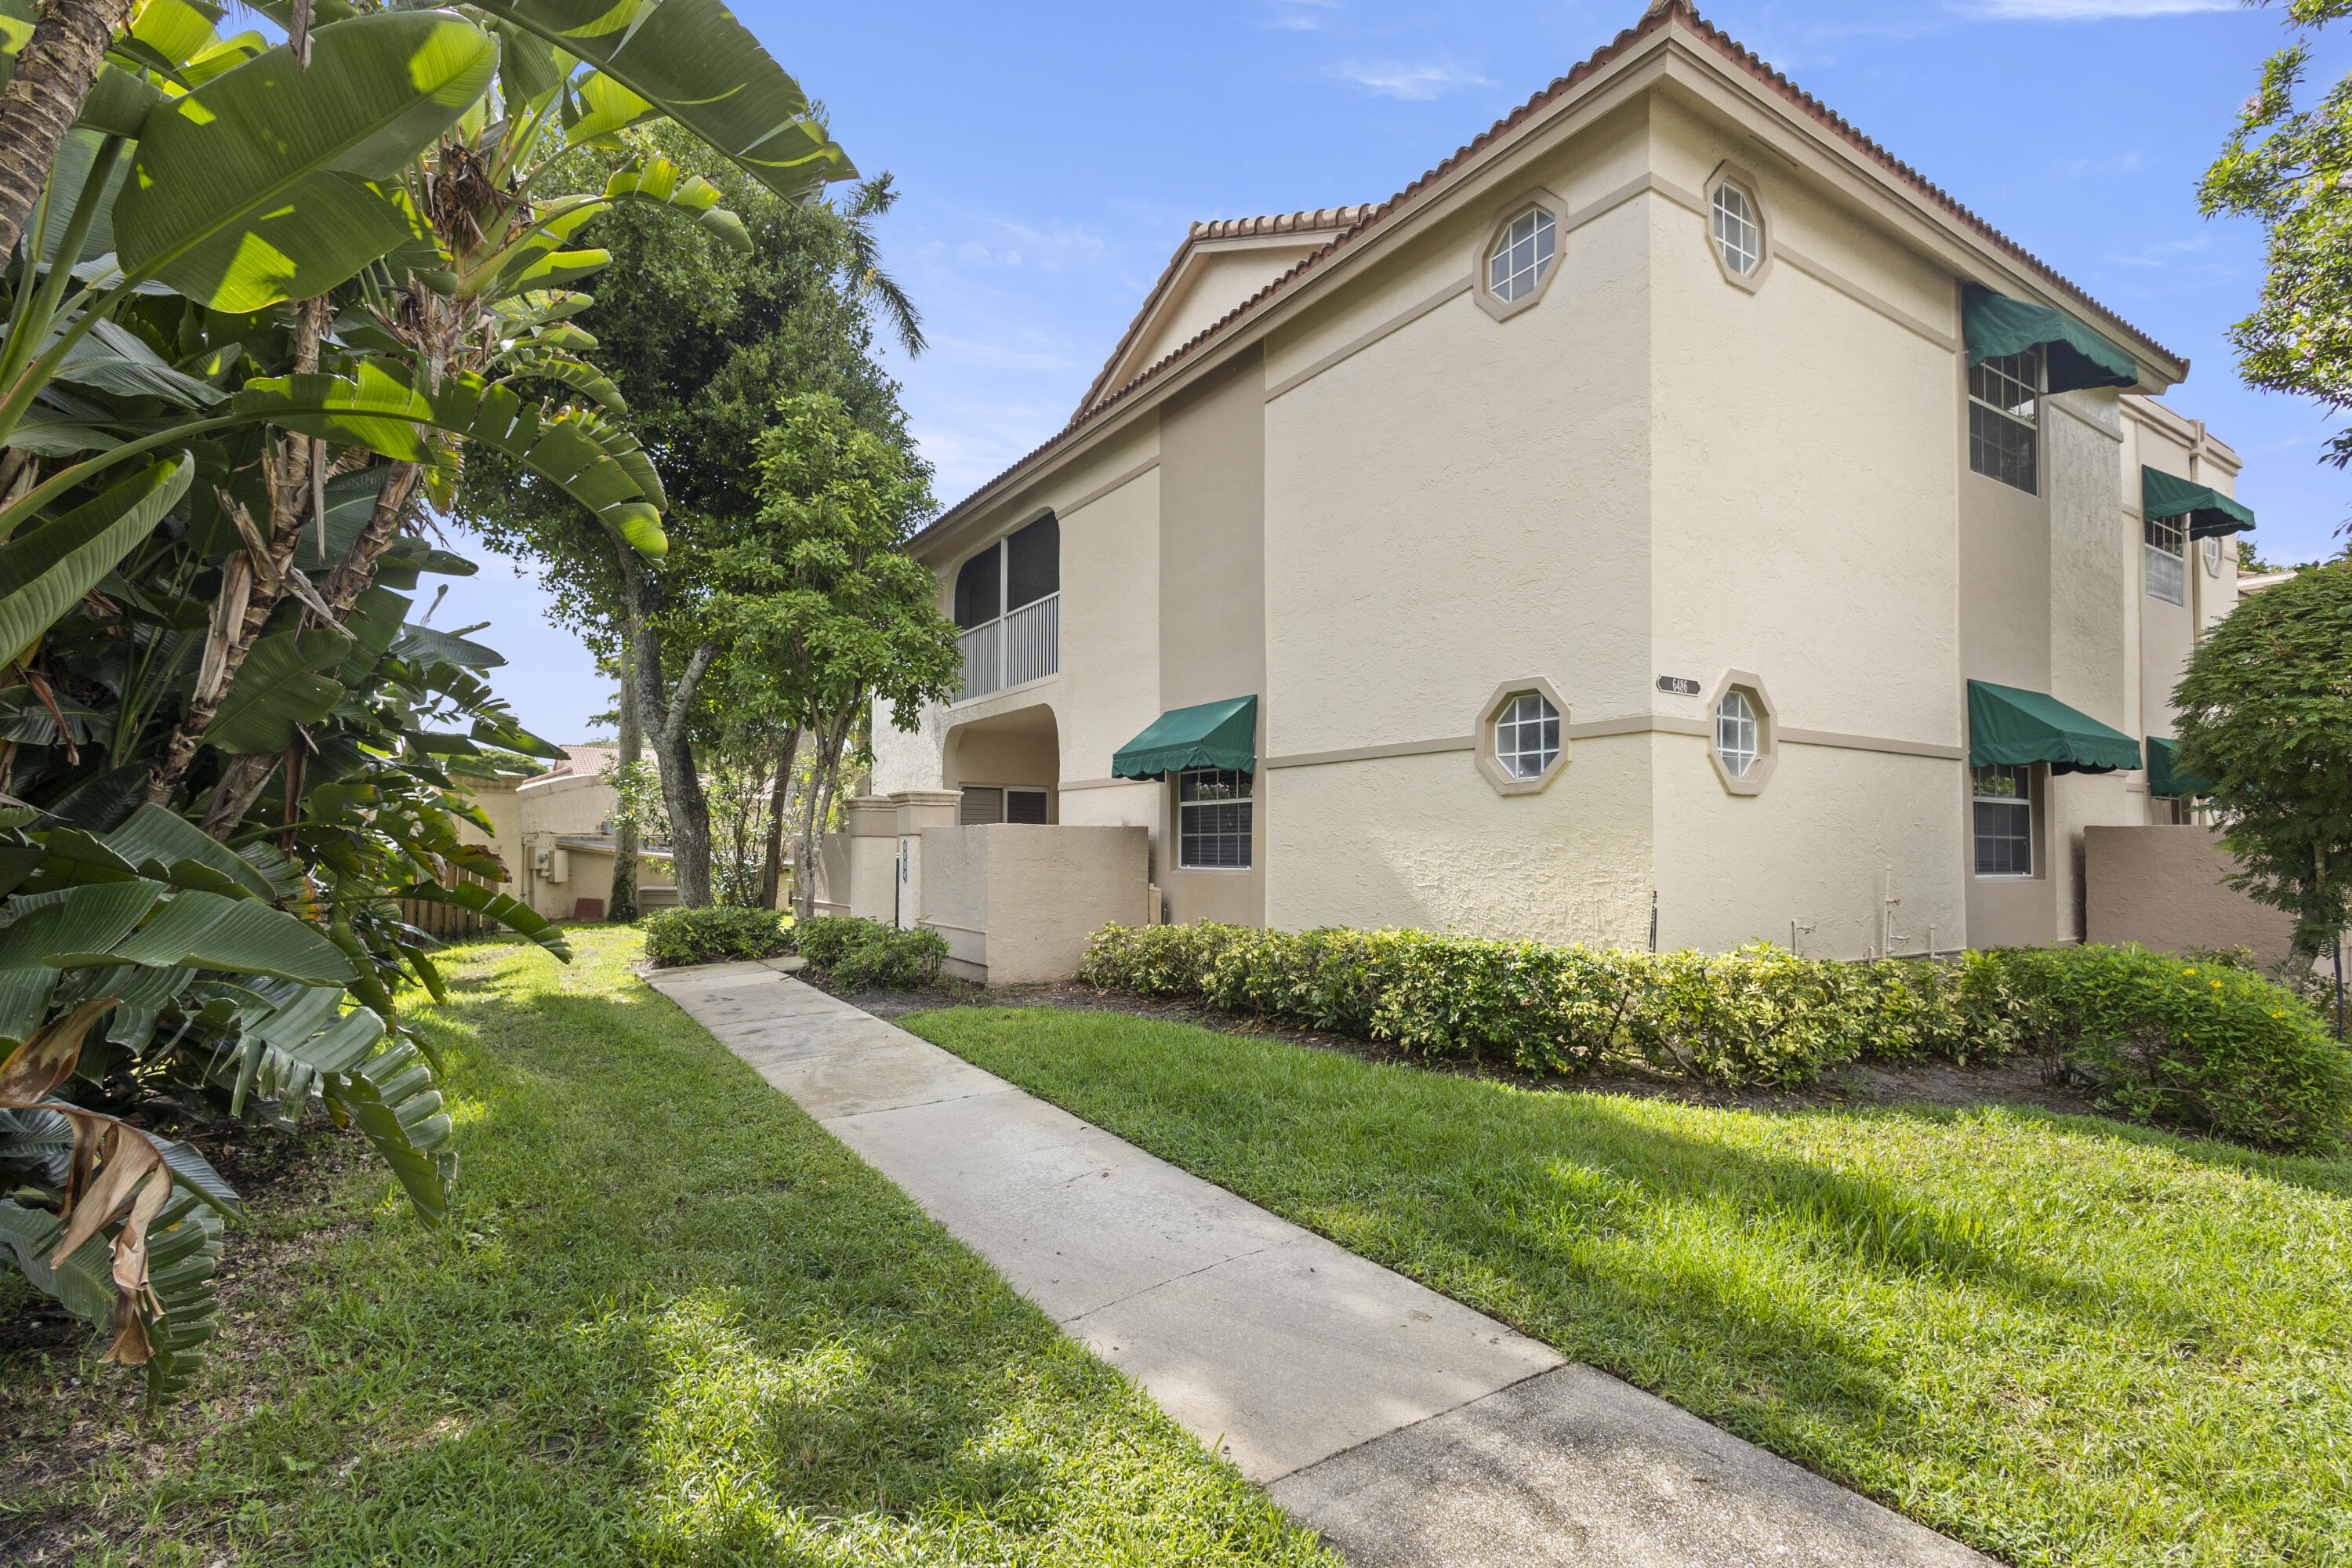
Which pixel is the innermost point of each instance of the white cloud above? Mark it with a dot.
(1392, 78)
(2076, 168)
(2094, 10)
(995, 356)
(1302, 15)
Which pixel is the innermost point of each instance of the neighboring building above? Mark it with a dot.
(555, 836)
(1670, 520)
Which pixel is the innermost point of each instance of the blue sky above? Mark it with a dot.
(1051, 156)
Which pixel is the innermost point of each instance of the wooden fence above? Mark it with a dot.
(447, 921)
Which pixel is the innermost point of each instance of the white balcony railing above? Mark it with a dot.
(1011, 650)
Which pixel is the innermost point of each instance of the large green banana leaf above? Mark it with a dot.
(278, 688)
(565, 371)
(311, 1043)
(265, 184)
(45, 572)
(427, 643)
(514, 914)
(597, 464)
(661, 183)
(165, 838)
(695, 62)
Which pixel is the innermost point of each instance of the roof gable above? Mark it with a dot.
(1220, 263)
(1663, 16)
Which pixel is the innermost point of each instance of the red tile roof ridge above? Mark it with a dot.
(1659, 14)
(1310, 221)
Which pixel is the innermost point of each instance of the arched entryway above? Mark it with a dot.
(1007, 767)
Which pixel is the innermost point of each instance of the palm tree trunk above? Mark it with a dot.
(53, 75)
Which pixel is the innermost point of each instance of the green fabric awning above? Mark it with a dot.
(2209, 511)
(1996, 325)
(2166, 776)
(1213, 735)
(2007, 725)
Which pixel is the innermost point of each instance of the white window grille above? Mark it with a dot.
(2004, 419)
(2004, 820)
(1735, 734)
(1522, 254)
(1212, 820)
(2167, 553)
(1737, 236)
(1527, 736)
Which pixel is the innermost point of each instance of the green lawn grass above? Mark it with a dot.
(673, 1321)
(2062, 1341)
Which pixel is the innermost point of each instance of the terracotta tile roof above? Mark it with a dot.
(1661, 14)
(1317, 220)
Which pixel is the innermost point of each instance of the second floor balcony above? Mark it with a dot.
(1012, 650)
(1008, 603)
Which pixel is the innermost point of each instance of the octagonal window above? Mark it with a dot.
(1523, 252)
(1737, 236)
(1527, 736)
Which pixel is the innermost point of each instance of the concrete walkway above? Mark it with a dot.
(1405, 1428)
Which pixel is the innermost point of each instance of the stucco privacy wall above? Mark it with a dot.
(2166, 887)
(1783, 481)
(1019, 902)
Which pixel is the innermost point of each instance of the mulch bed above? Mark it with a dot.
(2014, 1083)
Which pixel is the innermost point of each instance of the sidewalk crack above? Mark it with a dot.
(1148, 1290)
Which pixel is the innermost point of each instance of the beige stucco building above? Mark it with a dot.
(555, 835)
(1614, 536)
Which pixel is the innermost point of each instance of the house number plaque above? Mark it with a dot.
(1679, 685)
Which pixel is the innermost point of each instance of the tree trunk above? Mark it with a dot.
(689, 811)
(243, 778)
(822, 769)
(53, 75)
(623, 905)
(288, 471)
(771, 867)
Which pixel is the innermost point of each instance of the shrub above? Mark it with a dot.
(2201, 1044)
(821, 938)
(714, 935)
(867, 955)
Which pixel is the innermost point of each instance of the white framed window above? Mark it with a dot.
(1212, 820)
(1522, 253)
(2166, 552)
(2004, 419)
(1527, 736)
(2210, 548)
(1739, 237)
(1735, 732)
(2003, 804)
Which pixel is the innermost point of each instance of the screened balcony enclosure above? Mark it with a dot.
(1008, 603)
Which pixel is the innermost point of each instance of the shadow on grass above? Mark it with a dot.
(1709, 1255)
(672, 1320)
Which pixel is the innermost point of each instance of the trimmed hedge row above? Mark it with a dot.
(721, 933)
(2201, 1045)
(867, 955)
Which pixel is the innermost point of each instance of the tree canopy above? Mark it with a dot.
(2266, 719)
